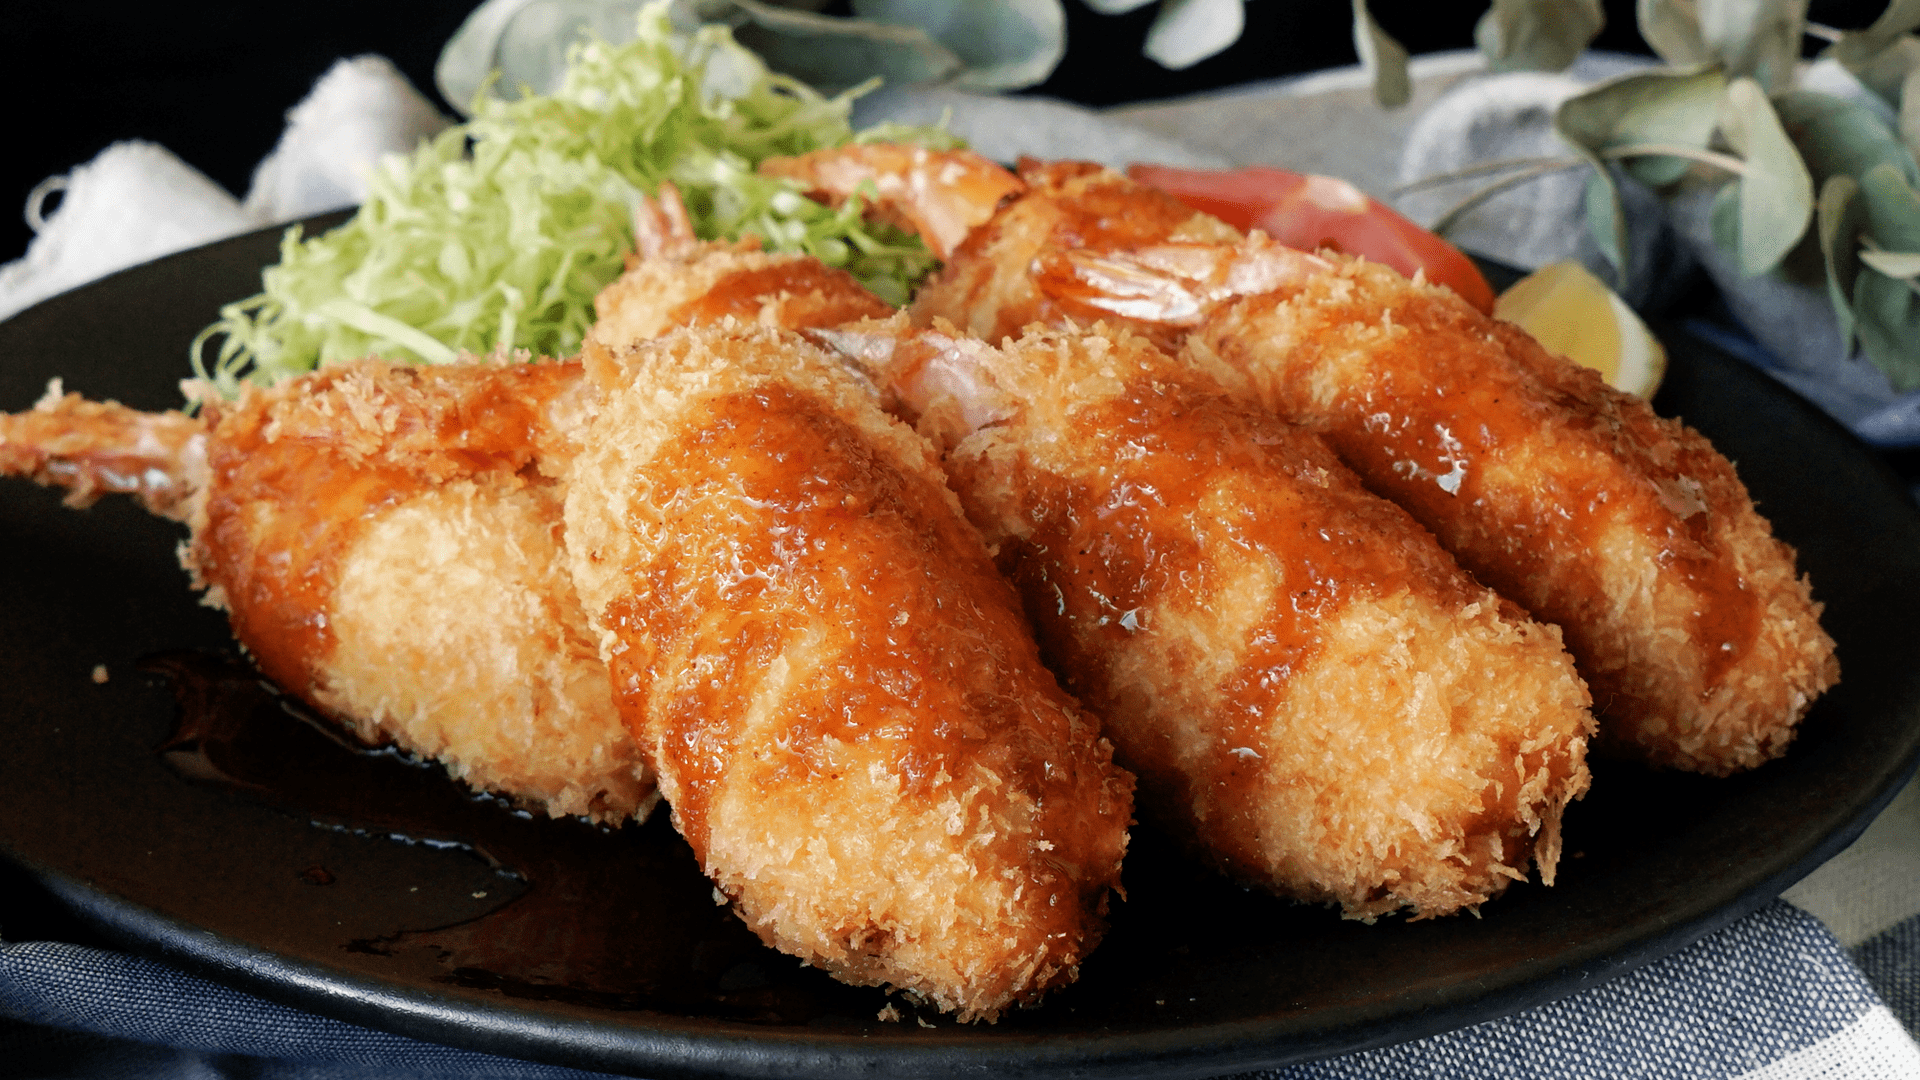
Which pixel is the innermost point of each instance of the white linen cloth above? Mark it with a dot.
(136, 201)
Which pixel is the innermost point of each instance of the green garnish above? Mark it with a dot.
(496, 234)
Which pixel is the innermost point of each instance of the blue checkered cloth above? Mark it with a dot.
(1772, 997)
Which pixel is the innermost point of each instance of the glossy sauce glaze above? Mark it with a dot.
(297, 473)
(1098, 209)
(1452, 430)
(1110, 550)
(804, 291)
(573, 912)
(786, 525)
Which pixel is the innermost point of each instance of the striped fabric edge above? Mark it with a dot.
(1874, 1047)
(1891, 962)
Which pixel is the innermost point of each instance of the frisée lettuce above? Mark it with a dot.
(496, 234)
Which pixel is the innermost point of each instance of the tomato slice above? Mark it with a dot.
(1309, 212)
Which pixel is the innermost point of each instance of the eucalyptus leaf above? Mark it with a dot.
(1886, 315)
(1884, 70)
(1839, 137)
(1675, 107)
(835, 53)
(1724, 218)
(1185, 32)
(1910, 113)
(1385, 59)
(1607, 219)
(1885, 312)
(1537, 35)
(1672, 29)
(1893, 208)
(1858, 48)
(1900, 17)
(1775, 192)
(1839, 218)
(1758, 39)
(1895, 264)
(1004, 45)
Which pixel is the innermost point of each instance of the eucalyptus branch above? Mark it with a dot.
(1817, 30)
(1549, 165)
(1481, 169)
(1533, 168)
(1692, 153)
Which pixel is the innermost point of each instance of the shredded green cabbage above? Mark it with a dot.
(496, 234)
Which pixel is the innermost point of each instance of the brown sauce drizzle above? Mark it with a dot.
(284, 507)
(1093, 210)
(607, 918)
(809, 293)
(1435, 409)
(1102, 555)
(279, 519)
(785, 522)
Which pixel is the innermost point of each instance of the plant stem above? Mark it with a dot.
(1452, 216)
(1692, 153)
(1534, 168)
(1481, 169)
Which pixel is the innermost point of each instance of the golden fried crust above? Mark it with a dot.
(1701, 646)
(712, 282)
(1311, 691)
(848, 715)
(986, 288)
(386, 541)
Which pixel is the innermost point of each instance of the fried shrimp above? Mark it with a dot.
(387, 544)
(1315, 697)
(1224, 702)
(674, 280)
(847, 713)
(1700, 643)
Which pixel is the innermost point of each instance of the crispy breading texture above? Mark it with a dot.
(1702, 646)
(704, 283)
(388, 544)
(847, 714)
(1313, 693)
(92, 448)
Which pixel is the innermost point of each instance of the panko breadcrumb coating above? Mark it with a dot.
(846, 711)
(387, 544)
(1701, 644)
(1315, 697)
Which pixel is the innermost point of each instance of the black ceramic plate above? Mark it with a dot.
(605, 950)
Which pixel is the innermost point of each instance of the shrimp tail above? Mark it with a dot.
(661, 227)
(939, 195)
(92, 448)
(663, 232)
(939, 377)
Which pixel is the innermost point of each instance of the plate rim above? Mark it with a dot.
(737, 1049)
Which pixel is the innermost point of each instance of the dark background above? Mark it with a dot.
(212, 80)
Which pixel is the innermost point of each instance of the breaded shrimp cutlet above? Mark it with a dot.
(387, 544)
(1315, 697)
(845, 708)
(673, 280)
(1701, 644)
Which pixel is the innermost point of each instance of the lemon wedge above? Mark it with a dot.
(1573, 313)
